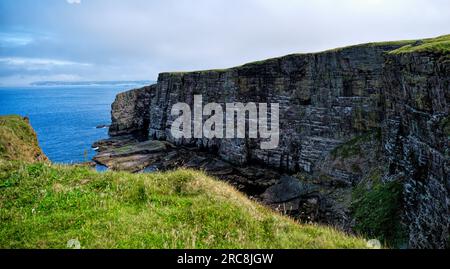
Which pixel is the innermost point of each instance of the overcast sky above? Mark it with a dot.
(137, 39)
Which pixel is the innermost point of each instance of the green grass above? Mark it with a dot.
(372, 44)
(44, 206)
(438, 45)
(18, 140)
(376, 207)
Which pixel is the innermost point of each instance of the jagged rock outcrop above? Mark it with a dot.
(130, 111)
(344, 113)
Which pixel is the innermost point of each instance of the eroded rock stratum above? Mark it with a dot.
(351, 119)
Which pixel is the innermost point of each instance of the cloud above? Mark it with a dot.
(9, 40)
(74, 2)
(139, 39)
(28, 69)
(23, 70)
(37, 62)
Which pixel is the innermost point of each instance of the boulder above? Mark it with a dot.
(287, 189)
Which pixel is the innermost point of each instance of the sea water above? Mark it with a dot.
(65, 118)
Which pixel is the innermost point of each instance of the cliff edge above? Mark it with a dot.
(18, 141)
(49, 206)
(361, 118)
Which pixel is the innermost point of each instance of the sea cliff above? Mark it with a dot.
(354, 121)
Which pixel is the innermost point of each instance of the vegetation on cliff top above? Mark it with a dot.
(18, 140)
(440, 45)
(45, 206)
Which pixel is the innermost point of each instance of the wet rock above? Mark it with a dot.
(131, 156)
(115, 142)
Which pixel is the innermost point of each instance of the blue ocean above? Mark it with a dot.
(65, 117)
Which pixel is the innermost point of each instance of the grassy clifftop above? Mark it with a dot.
(18, 140)
(439, 45)
(45, 206)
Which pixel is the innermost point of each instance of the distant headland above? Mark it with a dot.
(92, 83)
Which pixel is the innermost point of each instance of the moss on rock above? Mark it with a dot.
(376, 207)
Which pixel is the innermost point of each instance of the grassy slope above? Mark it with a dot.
(439, 45)
(18, 140)
(44, 206)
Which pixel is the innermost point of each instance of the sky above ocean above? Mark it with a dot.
(76, 40)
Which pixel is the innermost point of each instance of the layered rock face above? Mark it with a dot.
(130, 112)
(416, 97)
(343, 114)
(325, 99)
